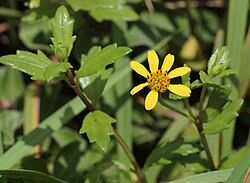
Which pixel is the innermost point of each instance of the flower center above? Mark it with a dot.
(158, 81)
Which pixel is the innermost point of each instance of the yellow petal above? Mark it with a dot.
(138, 88)
(153, 61)
(179, 72)
(167, 63)
(139, 68)
(151, 100)
(180, 90)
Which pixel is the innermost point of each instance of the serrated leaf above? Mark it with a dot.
(28, 63)
(62, 29)
(223, 120)
(218, 62)
(204, 77)
(98, 127)
(217, 99)
(37, 65)
(124, 13)
(101, 58)
(165, 152)
(54, 70)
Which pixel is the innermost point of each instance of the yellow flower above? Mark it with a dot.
(159, 79)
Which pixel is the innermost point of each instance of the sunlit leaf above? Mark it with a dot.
(36, 65)
(62, 29)
(218, 62)
(98, 127)
(100, 58)
(54, 70)
(27, 62)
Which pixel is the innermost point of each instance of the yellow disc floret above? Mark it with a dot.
(158, 81)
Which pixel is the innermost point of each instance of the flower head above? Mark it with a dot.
(158, 80)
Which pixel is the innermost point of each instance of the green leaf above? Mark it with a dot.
(11, 84)
(52, 123)
(65, 136)
(93, 85)
(210, 177)
(98, 127)
(241, 170)
(218, 62)
(158, 19)
(223, 120)
(233, 159)
(10, 120)
(62, 29)
(28, 63)
(91, 5)
(30, 174)
(217, 99)
(166, 151)
(227, 73)
(196, 84)
(31, 30)
(54, 70)
(37, 65)
(125, 13)
(68, 160)
(204, 77)
(100, 58)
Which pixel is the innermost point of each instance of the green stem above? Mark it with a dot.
(173, 108)
(130, 156)
(90, 107)
(189, 109)
(200, 128)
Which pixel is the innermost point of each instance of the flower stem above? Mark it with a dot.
(188, 106)
(130, 156)
(173, 108)
(120, 140)
(200, 128)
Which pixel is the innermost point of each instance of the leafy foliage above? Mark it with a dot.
(62, 28)
(98, 127)
(161, 26)
(165, 152)
(223, 120)
(97, 59)
(36, 65)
